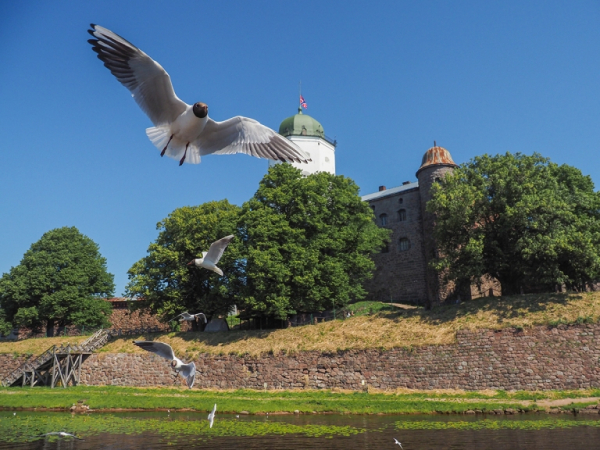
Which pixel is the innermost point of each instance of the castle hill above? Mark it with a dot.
(410, 325)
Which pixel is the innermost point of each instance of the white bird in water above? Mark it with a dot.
(210, 259)
(187, 371)
(59, 433)
(186, 316)
(396, 441)
(211, 416)
(182, 131)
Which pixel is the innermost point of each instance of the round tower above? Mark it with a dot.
(436, 163)
(309, 135)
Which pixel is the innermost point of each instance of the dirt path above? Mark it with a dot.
(544, 403)
(564, 401)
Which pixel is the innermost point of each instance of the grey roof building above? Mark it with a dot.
(402, 273)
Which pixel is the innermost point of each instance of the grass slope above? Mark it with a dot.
(382, 327)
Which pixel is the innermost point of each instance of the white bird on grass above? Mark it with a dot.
(396, 441)
(187, 371)
(211, 416)
(59, 433)
(182, 131)
(186, 316)
(211, 258)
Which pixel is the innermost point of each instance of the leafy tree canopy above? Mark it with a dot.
(521, 219)
(164, 280)
(308, 242)
(61, 280)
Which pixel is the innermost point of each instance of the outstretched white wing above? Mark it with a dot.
(188, 371)
(244, 135)
(149, 83)
(217, 248)
(211, 416)
(203, 316)
(160, 348)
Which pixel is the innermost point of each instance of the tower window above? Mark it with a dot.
(400, 200)
(402, 215)
(383, 218)
(403, 244)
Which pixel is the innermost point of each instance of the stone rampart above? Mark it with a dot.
(565, 357)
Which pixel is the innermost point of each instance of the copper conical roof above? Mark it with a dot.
(436, 156)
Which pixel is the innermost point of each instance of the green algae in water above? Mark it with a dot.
(493, 424)
(24, 426)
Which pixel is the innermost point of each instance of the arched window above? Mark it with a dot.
(383, 218)
(400, 200)
(385, 249)
(402, 215)
(403, 245)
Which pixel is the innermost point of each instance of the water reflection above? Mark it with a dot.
(190, 431)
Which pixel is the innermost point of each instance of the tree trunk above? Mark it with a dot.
(50, 328)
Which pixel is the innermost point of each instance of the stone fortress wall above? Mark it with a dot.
(540, 358)
(400, 272)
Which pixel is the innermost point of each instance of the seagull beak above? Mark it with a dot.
(191, 262)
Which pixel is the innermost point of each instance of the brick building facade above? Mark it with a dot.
(402, 273)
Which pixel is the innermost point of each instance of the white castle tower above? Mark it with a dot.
(309, 135)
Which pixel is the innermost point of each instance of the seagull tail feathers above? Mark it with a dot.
(160, 136)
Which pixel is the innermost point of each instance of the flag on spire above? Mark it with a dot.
(303, 102)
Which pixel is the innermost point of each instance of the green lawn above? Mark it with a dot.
(112, 397)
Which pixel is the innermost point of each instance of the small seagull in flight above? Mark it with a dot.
(211, 416)
(187, 371)
(210, 259)
(186, 316)
(396, 441)
(59, 433)
(182, 131)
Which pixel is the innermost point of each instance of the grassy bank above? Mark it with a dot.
(279, 401)
(381, 326)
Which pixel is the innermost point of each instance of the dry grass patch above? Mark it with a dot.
(402, 328)
(37, 346)
(407, 328)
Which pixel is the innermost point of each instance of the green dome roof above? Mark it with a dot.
(301, 125)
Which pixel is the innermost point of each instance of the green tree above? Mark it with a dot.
(61, 280)
(308, 241)
(168, 285)
(521, 219)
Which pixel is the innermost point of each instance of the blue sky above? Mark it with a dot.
(385, 79)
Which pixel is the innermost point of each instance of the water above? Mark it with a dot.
(159, 430)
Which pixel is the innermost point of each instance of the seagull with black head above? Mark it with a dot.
(182, 131)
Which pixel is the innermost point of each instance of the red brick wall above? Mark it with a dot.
(539, 358)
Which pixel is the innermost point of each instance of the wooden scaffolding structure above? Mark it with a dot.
(59, 365)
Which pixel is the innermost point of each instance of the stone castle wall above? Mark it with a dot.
(566, 357)
(400, 275)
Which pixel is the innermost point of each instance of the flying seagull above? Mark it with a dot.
(182, 131)
(59, 433)
(188, 317)
(396, 441)
(187, 371)
(211, 416)
(210, 259)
